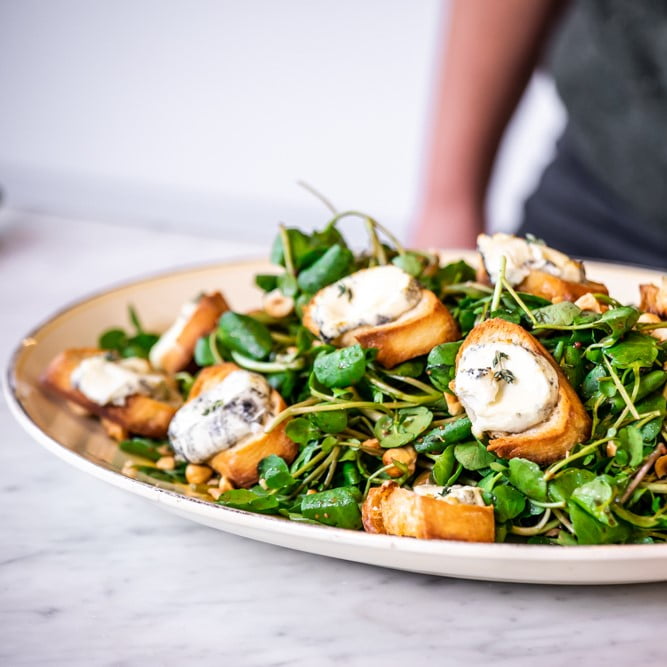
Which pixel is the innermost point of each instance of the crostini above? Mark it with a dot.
(514, 391)
(381, 307)
(534, 268)
(222, 423)
(429, 513)
(175, 347)
(124, 392)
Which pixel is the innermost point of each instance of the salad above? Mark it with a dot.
(384, 391)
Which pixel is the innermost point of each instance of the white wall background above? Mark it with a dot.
(201, 115)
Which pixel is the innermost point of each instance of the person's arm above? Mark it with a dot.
(487, 59)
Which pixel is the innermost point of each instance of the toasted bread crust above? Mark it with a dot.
(414, 333)
(140, 414)
(653, 300)
(391, 510)
(201, 323)
(239, 463)
(541, 283)
(567, 425)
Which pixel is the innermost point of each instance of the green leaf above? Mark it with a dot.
(413, 368)
(334, 507)
(330, 422)
(508, 503)
(635, 350)
(560, 314)
(245, 499)
(266, 281)
(299, 246)
(590, 531)
(631, 441)
(443, 467)
(301, 430)
(528, 478)
(440, 364)
(561, 488)
(410, 262)
(275, 473)
(340, 368)
(113, 339)
(134, 318)
(332, 266)
(245, 335)
(437, 439)
(142, 447)
(455, 272)
(203, 355)
(595, 497)
(473, 456)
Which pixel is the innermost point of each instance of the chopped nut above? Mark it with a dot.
(165, 450)
(661, 467)
(650, 318)
(422, 478)
(276, 304)
(129, 470)
(196, 474)
(114, 430)
(166, 463)
(216, 493)
(611, 448)
(310, 492)
(224, 484)
(406, 455)
(589, 302)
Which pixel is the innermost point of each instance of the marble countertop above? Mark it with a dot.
(92, 576)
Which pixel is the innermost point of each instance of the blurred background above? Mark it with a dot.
(201, 116)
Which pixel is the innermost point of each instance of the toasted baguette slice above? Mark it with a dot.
(654, 298)
(414, 333)
(391, 510)
(541, 283)
(239, 464)
(140, 414)
(203, 320)
(568, 423)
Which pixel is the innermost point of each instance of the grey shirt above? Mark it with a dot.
(610, 65)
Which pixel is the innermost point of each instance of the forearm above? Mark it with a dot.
(485, 64)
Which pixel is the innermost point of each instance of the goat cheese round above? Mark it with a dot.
(369, 297)
(233, 410)
(105, 380)
(522, 257)
(169, 338)
(505, 387)
(458, 493)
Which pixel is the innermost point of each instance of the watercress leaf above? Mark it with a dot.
(595, 497)
(275, 473)
(266, 281)
(440, 364)
(330, 422)
(451, 433)
(113, 339)
(245, 499)
(528, 478)
(301, 430)
(414, 420)
(340, 368)
(443, 467)
(560, 489)
(334, 507)
(333, 265)
(591, 531)
(617, 321)
(561, 314)
(203, 355)
(245, 335)
(413, 368)
(635, 350)
(473, 455)
(508, 502)
(299, 246)
(632, 442)
(288, 285)
(455, 272)
(143, 341)
(410, 262)
(142, 447)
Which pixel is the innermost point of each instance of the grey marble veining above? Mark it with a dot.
(92, 576)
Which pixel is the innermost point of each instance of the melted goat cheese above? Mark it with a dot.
(169, 338)
(465, 495)
(505, 387)
(369, 297)
(105, 381)
(522, 257)
(233, 410)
